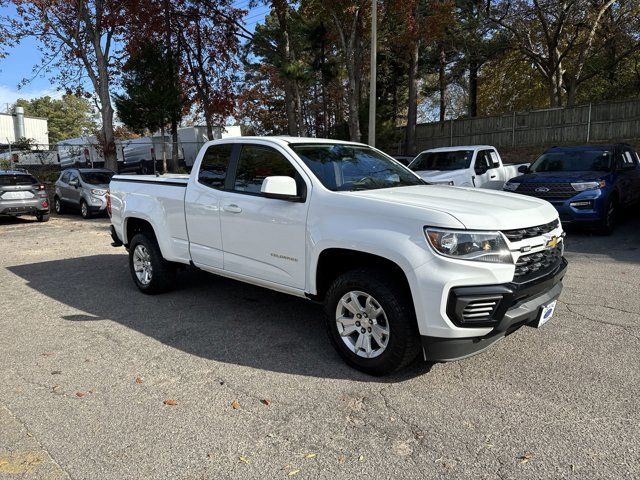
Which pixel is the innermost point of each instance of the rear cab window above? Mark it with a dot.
(214, 165)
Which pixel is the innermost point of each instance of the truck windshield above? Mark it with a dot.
(96, 178)
(573, 161)
(456, 160)
(352, 167)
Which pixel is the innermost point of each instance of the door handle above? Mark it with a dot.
(232, 208)
(493, 176)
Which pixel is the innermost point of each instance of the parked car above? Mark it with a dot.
(403, 159)
(22, 194)
(588, 185)
(82, 189)
(473, 166)
(401, 266)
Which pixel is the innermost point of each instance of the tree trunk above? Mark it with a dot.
(209, 124)
(164, 151)
(109, 147)
(442, 80)
(473, 88)
(412, 111)
(174, 146)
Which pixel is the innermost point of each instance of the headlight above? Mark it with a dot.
(98, 192)
(511, 186)
(582, 186)
(466, 245)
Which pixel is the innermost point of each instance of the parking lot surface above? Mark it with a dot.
(219, 379)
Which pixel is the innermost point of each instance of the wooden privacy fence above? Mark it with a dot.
(592, 123)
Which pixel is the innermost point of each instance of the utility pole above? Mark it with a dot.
(372, 81)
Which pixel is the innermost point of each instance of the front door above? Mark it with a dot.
(484, 172)
(264, 238)
(202, 206)
(74, 190)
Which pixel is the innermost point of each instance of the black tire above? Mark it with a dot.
(42, 217)
(163, 273)
(610, 217)
(85, 211)
(404, 339)
(144, 168)
(58, 206)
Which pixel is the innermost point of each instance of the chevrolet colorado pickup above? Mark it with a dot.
(401, 266)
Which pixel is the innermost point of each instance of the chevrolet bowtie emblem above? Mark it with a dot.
(553, 242)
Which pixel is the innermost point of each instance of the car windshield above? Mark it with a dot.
(96, 178)
(343, 167)
(17, 179)
(573, 161)
(456, 160)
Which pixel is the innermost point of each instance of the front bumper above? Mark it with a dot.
(583, 208)
(520, 305)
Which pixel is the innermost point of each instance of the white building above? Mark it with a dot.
(17, 125)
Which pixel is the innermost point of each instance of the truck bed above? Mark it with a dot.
(156, 200)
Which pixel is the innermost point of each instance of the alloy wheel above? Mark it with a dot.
(362, 324)
(142, 264)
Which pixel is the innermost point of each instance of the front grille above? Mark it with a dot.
(522, 233)
(537, 264)
(479, 310)
(548, 191)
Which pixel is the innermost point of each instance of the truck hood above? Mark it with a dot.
(476, 209)
(561, 177)
(443, 176)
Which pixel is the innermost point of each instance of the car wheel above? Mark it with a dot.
(58, 206)
(42, 217)
(610, 218)
(84, 210)
(144, 168)
(150, 271)
(371, 321)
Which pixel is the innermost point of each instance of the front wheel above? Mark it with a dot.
(84, 210)
(371, 322)
(58, 206)
(150, 271)
(610, 218)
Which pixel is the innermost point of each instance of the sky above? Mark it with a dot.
(20, 61)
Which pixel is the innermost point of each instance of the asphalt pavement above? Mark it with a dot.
(219, 379)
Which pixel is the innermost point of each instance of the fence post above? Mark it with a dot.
(513, 130)
(451, 133)
(589, 123)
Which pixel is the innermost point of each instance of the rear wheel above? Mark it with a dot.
(42, 217)
(58, 206)
(84, 210)
(150, 271)
(371, 322)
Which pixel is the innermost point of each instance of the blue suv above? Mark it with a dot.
(587, 185)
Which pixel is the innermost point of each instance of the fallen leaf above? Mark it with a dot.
(170, 402)
(29, 434)
(55, 388)
(361, 458)
(342, 459)
(244, 459)
(265, 402)
(138, 380)
(235, 405)
(48, 354)
(293, 472)
(56, 372)
(526, 457)
(310, 455)
(80, 394)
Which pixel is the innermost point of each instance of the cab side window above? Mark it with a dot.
(214, 166)
(257, 162)
(65, 177)
(483, 162)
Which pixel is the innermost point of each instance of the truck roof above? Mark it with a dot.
(288, 140)
(458, 147)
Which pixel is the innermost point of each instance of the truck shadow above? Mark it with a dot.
(208, 316)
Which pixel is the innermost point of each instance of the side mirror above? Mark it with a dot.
(523, 169)
(281, 188)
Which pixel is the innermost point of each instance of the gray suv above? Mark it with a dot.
(82, 189)
(22, 194)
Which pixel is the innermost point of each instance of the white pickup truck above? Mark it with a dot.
(401, 266)
(473, 166)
